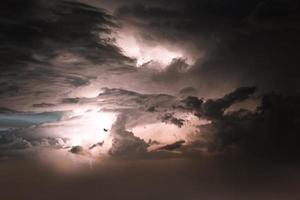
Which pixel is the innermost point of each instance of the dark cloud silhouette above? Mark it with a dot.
(77, 150)
(54, 42)
(174, 146)
(35, 31)
(216, 108)
(270, 132)
(96, 145)
(169, 118)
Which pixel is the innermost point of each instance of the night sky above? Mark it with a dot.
(150, 99)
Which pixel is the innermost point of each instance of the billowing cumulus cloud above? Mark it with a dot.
(124, 142)
(174, 146)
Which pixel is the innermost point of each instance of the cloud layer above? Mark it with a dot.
(60, 61)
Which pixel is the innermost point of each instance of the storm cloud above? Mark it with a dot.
(248, 43)
(160, 99)
(43, 42)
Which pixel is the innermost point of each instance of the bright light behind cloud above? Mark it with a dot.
(90, 127)
(86, 126)
(144, 53)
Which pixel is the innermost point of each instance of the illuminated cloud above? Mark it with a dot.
(160, 99)
(134, 47)
(145, 77)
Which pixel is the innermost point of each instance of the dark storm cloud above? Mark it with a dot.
(174, 146)
(216, 108)
(238, 43)
(178, 130)
(36, 30)
(52, 48)
(77, 150)
(270, 132)
(53, 42)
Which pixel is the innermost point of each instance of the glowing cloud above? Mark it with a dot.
(144, 53)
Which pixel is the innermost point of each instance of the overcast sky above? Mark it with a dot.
(95, 86)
